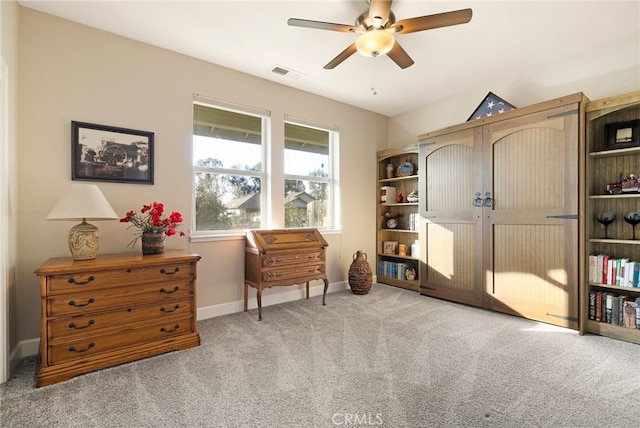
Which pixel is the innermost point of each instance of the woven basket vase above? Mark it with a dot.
(360, 276)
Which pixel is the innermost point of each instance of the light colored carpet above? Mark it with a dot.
(390, 358)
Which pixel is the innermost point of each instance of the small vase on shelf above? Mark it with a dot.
(390, 170)
(153, 243)
(415, 249)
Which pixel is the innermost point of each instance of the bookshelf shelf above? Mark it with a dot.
(615, 241)
(604, 301)
(620, 196)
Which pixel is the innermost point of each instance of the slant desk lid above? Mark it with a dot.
(285, 239)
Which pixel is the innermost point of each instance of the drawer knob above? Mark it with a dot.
(73, 348)
(72, 280)
(79, 305)
(164, 272)
(164, 330)
(80, 327)
(162, 290)
(168, 311)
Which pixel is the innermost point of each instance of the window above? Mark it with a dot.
(228, 164)
(231, 189)
(307, 174)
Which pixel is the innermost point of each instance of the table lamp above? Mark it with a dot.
(83, 201)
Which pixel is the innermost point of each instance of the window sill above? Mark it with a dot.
(238, 235)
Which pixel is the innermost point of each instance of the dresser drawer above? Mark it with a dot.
(114, 321)
(83, 348)
(88, 280)
(88, 302)
(291, 273)
(292, 258)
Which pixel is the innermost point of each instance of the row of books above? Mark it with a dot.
(395, 270)
(620, 272)
(614, 309)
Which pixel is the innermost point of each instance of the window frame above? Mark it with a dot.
(334, 136)
(265, 134)
(271, 183)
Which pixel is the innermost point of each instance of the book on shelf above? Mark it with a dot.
(630, 313)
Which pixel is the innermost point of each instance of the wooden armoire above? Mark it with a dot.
(499, 200)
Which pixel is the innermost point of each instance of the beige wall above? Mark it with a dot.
(72, 72)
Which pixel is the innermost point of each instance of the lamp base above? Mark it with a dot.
(84, 241)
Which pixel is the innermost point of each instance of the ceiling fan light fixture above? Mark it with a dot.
(375, 42)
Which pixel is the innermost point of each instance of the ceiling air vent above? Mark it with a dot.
(282, 71)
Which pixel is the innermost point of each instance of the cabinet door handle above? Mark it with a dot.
(72, 280)
(477, 201)
(162, 290)
(73, 348)
(79, 305)
(168, 311)
(80, 327)
(164, 272)
(164, 330)
(488, 201)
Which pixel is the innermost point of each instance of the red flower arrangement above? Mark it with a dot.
(153, 220)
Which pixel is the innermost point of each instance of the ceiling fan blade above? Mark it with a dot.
(380, 9)
(400, 56)
(319, 25)
(350, 50)
(429, 22)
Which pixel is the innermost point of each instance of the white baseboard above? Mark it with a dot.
(25, 348)
(267, 300)
(31, 346)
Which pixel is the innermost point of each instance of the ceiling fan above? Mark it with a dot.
(376, 27)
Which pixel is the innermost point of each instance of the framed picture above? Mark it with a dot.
(490, 106)
(107, 153)
(623, 135)
(389, 247)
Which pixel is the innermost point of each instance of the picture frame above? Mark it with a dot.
(389, 247)
(109, 153)
(623, 135)
(490, 105)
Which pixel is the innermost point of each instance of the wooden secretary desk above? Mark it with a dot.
(283, 257)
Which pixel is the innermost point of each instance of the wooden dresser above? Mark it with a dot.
(114, 309)
(284, 257)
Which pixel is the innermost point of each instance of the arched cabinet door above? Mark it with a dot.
(530, 228)
(451, 207)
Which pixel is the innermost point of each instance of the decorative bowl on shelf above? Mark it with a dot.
(405, 169)
(413, 196)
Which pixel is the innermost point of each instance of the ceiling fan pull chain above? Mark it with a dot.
(373, 81)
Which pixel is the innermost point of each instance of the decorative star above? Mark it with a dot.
(489, 114)
(501, 110)
(491, 104)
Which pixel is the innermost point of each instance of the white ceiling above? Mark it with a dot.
(505, 41)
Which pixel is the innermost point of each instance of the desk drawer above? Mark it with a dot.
(292, 258)
(122, 297)
(291, 273)
(113, 321)
(83, 348)
(87, 280)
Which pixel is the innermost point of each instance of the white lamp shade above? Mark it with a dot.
(83, 201)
